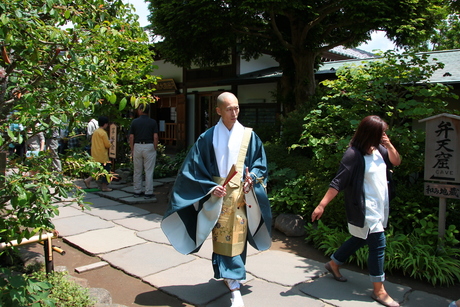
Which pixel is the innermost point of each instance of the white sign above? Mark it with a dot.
(442, 148)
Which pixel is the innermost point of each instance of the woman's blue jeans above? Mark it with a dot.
(376, 243)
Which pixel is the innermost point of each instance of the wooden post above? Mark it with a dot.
(442, 217)
(113, 147)
(48, 247)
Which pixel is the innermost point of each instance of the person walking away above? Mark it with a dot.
(220, 188)
(364, 174)
(54, 149)
(100, 151)
(143, 141)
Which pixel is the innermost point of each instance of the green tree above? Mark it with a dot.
(446, 35)
(295, 33)
(60, 59)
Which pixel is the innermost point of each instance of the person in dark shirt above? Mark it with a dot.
(143, 140)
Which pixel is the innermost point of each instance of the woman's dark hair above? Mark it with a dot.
(369, 133)
(102, 120)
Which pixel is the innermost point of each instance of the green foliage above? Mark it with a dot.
(80, 164)
(295, 186)
(21, 290)
(290, 198)
(279, 154)
(65, 292)
(325, 238)
(166, 166)
(291, 122)
(39, 289)
(445, 36)
(285, 187)
(28, 197)
(416, 254)
(60, 60)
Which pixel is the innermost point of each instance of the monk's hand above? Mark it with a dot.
(247, 182)
(219, 191)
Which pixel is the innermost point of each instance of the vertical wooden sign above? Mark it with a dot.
(442, 148)
(113, 140)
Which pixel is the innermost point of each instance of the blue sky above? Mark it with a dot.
(378, 41)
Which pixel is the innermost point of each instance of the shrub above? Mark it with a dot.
(81, 165)
(21, 290)
(65, 292)
(166, 165)
(40, 289)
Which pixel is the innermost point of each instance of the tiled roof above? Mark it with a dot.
(353, 53)
(449, 74)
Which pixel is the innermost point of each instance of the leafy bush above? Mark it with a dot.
(21, 290)
(165, 165)
(65, 292)
(290, 198)
(39, 289)
(81, 165)
(27, 201)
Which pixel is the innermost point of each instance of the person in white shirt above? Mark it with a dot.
(364, 176)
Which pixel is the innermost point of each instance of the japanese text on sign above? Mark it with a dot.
(447, 191)
(113, 141)
(442, 149)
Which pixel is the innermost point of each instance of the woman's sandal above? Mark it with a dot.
(338, 278)
(390, 304)
(107, 190)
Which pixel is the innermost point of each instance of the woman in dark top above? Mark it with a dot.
(363, 175)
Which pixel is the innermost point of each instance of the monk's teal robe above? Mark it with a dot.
(193, 211)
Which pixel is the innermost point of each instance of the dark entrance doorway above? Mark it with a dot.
(205, 110)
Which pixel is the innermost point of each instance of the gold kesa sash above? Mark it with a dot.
(229, 234)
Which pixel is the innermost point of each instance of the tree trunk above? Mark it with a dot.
(305, 83)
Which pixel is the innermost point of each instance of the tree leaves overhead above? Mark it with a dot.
(294, 32)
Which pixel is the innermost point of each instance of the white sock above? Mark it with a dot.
(237, 300)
